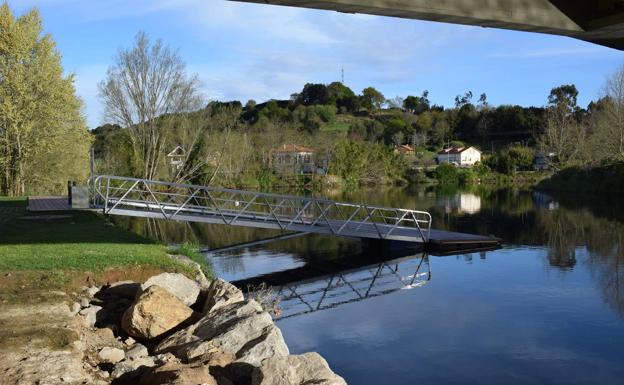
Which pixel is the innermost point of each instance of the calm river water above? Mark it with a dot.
(547, 308)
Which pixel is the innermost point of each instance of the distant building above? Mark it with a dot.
(292, 159)
(404, 149)
(459, 156)
(177, 157)
(542, 162)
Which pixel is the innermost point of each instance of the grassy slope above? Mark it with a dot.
(82, 242)
(336, 127)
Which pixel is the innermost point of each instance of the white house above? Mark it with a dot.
(292, 158)
(459, 156)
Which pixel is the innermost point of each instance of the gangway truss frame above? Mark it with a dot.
(127, 196)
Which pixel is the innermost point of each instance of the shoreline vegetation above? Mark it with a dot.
(608, 177)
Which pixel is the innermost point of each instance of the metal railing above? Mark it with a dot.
(156, 199)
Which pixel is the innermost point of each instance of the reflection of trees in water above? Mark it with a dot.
(159, 230)
(606, 247)
(603, 239)
(214, 236)
(564, 232)
(229, 264)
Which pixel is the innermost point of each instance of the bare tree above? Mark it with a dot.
(608, 138)
(145, 90)
(563, 137)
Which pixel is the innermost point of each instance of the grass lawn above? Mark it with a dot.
(336, 127)
(50, 249)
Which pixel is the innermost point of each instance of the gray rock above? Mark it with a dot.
(136, 352)
(175, 373)
(109, 355)
(75, 308)
(129, 341)
(124, 289)
(221, 293)
(177, 284)
(155, 312)
(308, 368)
(131, 367)
(242, 329)
(90, 314)
(164, 358)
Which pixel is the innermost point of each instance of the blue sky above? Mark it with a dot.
(250, 51)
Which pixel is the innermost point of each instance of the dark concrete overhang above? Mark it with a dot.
(597, 21)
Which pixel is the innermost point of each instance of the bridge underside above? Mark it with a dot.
(598, 21)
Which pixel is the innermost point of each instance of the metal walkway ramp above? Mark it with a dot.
(154, 199)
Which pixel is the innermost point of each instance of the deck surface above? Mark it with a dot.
(48, 203)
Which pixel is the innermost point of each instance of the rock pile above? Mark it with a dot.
(177, 331)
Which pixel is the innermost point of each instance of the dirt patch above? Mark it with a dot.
(38, 344)
(41, 339)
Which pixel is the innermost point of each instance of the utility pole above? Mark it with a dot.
(342, 75)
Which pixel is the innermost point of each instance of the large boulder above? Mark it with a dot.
(242, 329)
(173, 373)
(177, 284)
(153, 313)
(308, 368)
(221, 293)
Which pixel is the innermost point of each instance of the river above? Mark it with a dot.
(546, 308)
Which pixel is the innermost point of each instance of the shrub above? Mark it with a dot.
(446, 173)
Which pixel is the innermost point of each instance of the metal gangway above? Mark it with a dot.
(116, 195)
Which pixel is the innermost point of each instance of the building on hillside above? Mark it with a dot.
(404, 149)
(459, 156)
(177, 157)
(542, 162)
(292, 159)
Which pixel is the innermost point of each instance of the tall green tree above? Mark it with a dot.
(372, 99)
(43, 137)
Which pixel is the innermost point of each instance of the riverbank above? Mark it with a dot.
(64, 250)
(588, 179)
(168, 329)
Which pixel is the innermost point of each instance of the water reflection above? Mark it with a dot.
(547, 308)
(348, 286)
(468, 203)
(573, 231)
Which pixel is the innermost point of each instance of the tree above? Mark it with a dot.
(461, 101)
(146, 90)
(313, 94)
(372, 99)
(43, 137)
(564, 96)
(342, 97)
(564, 134)
(417, 104)
(608, 119)
(396, 102)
